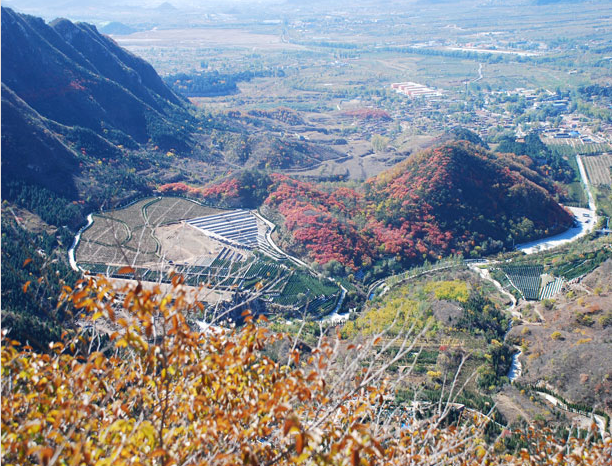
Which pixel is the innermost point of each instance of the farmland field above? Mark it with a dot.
(572, 147)
(598, 169)
(305, 290)
(108, 231)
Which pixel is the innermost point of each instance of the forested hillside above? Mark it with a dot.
(88, 80)
(457, 198)
(80, 115)
(453, 199)
(32, 277)
(483, 198)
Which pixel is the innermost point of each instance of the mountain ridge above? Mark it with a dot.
(72, 74)
(80, 112)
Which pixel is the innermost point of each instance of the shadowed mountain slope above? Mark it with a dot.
(71, 74)
(82, 117)
(32, 151)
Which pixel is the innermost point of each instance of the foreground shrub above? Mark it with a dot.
(139, 386)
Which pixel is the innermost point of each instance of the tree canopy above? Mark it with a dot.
(137, 385)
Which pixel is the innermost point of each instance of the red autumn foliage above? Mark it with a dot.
(445, 200)
(227, 189)
(367, 114)
(456, 198)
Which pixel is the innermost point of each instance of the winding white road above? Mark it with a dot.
(586, 220)
(75, 243)
(271, 227)
(479, 74)
(586, 418)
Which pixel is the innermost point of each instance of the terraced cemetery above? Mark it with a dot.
(550, 286)
(544, 279)
(209, 247)
(529, 281)
(237, 227)
(525, 278)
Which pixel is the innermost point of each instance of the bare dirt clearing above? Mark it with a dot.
(183, 243)
(515, 406)
(28, 220)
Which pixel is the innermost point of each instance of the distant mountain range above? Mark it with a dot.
(66, 89)
(117, 28)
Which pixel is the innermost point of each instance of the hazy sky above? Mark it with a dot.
(83, 4)
(101, 10)
(66, 7)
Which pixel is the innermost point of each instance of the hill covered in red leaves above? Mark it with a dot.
(458, 198)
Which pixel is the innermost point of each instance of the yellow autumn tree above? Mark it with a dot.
(138, 385)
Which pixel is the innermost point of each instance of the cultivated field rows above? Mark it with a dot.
(598, 169)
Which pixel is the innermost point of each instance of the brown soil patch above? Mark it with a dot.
(571, 350)
(514, 406)
(28, 220)
(182, 243)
